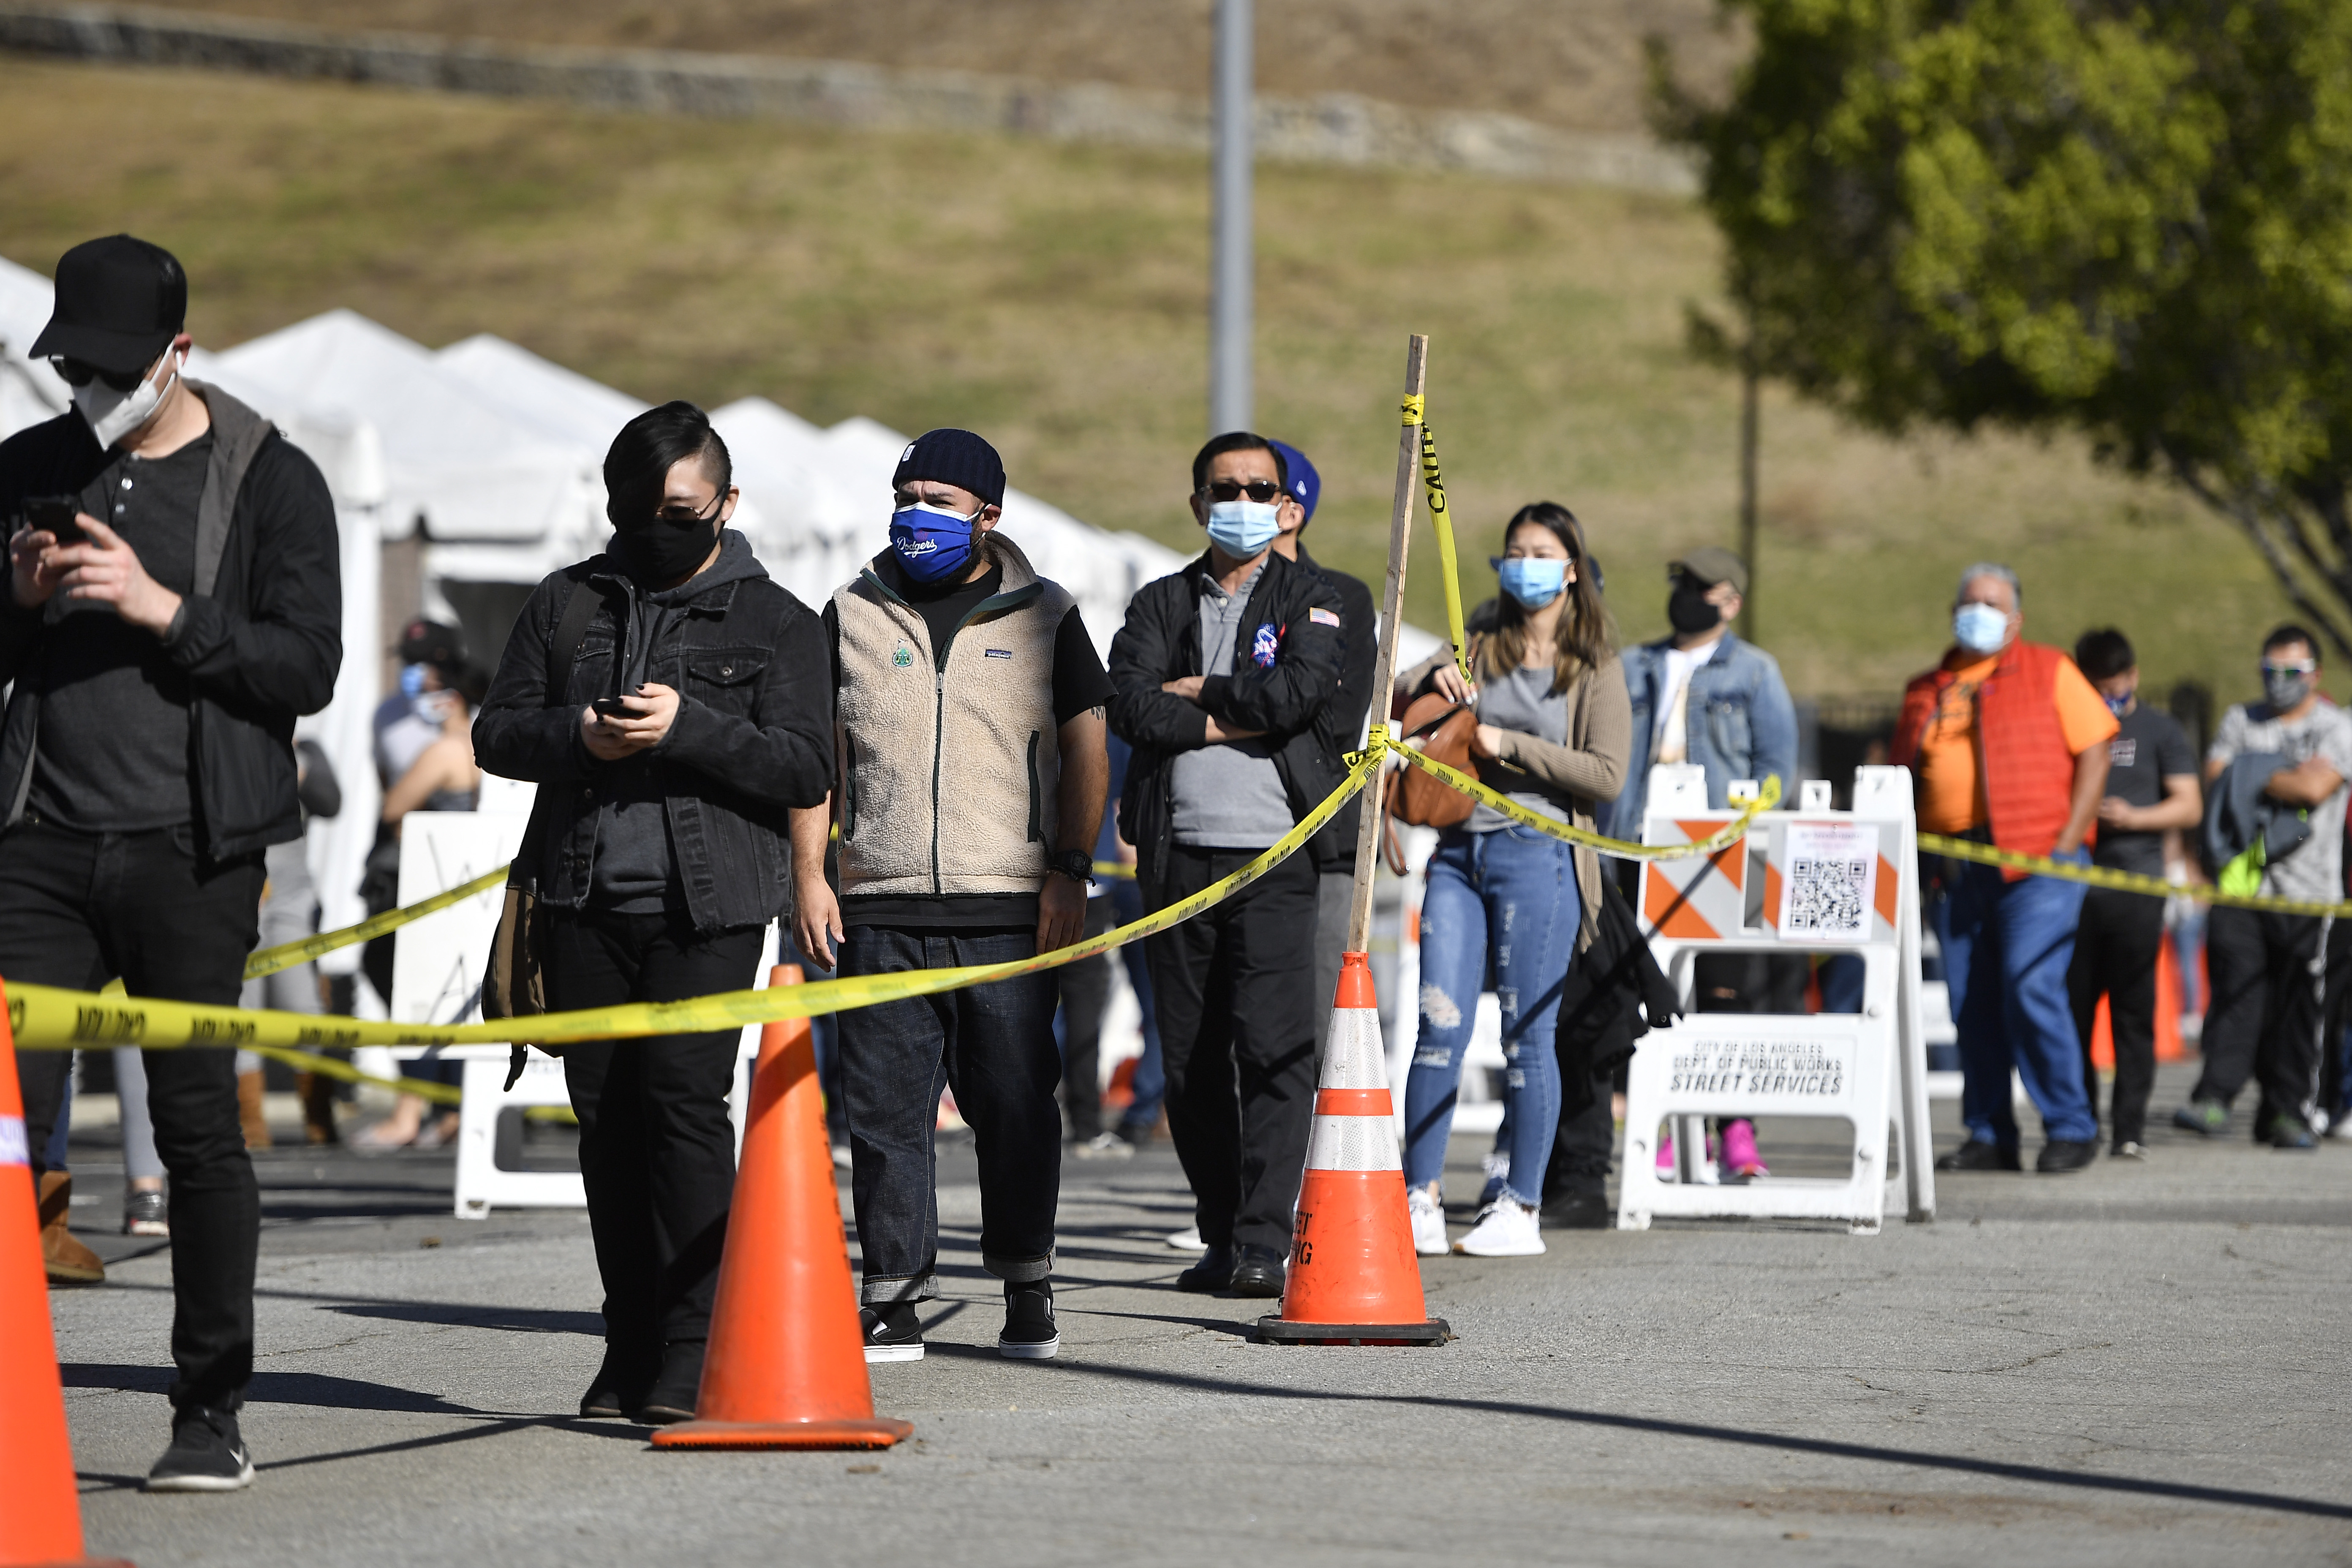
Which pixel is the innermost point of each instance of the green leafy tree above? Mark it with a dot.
(2133, 221)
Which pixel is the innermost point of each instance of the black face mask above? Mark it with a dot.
(1687, 610)
(657, 553)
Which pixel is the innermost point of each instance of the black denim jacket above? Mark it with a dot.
(752, 738)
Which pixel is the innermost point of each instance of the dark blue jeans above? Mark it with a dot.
(993, 1045)
(2007, 948)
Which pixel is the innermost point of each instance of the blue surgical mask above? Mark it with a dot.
(412, 681)
(2115, 705)
(1981, 628)
(1242, 528)
(932, 542)
(1531, 580)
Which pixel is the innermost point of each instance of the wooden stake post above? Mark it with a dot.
(1408, 475)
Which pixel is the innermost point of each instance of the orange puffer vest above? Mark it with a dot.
(2023, 763)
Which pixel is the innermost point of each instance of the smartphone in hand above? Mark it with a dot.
(57, 514)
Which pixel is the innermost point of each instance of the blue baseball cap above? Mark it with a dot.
(1304, 485)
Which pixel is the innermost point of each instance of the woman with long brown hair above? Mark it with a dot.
(1555, 732)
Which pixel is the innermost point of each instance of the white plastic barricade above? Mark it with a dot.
(436, 977)
(1811, 880)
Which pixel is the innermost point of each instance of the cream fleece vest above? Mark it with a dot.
(948, 770)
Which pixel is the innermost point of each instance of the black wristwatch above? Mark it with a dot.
(1076, 865)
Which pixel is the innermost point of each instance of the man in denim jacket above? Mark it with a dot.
(1701, 695)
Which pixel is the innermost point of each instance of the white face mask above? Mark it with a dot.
(113, 415)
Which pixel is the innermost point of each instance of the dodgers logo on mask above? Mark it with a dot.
(1266, 644)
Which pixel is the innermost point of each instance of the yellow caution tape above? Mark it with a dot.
(1433, 485)
(2120, 881)
(1412, 406)
(270, 960)
(1113, 869)
(437, 1093)
(48, 1017)
(1526, 817)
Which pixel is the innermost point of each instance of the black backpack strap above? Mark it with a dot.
(578, 607)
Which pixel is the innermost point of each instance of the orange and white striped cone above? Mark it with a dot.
(1353, 1275)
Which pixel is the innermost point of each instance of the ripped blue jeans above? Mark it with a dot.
(1503, 904)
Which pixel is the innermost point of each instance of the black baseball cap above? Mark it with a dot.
(430, 642)
(120, 303)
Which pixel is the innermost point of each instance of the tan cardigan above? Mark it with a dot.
(1588, 769)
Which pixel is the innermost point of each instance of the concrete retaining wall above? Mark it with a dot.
(1331, 128)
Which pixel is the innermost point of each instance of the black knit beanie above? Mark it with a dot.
(953, 457)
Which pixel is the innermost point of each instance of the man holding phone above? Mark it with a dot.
(175, 604)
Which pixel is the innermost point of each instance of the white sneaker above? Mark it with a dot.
(1186, 1241)
(1510, 1230)
(1428, 1221)
(1105, 1146)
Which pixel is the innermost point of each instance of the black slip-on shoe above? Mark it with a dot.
(893, 1333)
(2064, 1157)
(1257, 1272)
(207, 1455)
(1579, 1210)
(671, 1398)
(1030, 1332)
(619, 1384)
(1212, 1274)
(1974, 1155)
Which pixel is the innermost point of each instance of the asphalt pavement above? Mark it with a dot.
(2143, 1363)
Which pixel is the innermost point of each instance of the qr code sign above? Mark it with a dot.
(1827, 897)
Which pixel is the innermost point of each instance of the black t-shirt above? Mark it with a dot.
(112, 752)
(1080, 682)
(2149, 747)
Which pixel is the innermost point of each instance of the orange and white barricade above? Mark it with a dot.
(1808, 881)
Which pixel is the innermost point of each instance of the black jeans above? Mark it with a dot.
(993, 1045)
(1086, 993)
(1233, 986)
(2115, 956)
(2274, 995)
(79, 909)
(657, 1149)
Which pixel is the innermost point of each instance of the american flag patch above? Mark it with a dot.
(1323, 618)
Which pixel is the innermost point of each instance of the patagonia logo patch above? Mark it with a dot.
(902, 657)
(1265, 645)
(1323, 618)
(1000, 653)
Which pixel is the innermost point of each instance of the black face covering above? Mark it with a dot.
(656, 553)
(1687, 610)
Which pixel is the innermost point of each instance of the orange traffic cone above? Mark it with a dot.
(1353, 1276)
(786, 1364)
(42, 1523)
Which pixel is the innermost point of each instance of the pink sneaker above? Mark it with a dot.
(1741, 1161)
(1666, 1154)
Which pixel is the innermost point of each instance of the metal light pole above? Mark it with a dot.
(1232, 250)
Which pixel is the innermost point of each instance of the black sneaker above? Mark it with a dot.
(2064, 1156)
(893, 1333)
(1029, 1333)
(620, 1385)
(1579, 1211)
(207, 1455)
(1257, 1272)
(1976, 1155)
(1212, 1273)
(146, 1212)
(2209, 1117)
(678, 1385)
(2289, 1132)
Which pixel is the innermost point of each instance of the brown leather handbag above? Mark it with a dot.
(1444, 729)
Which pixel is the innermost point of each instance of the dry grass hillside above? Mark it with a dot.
(1055, 298)
(1573, 63)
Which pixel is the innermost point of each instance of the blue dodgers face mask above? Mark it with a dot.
(1981, 628)
(412, 681)
(931, 542)
(2115, 705)
(1242, 528)
(1530, 580)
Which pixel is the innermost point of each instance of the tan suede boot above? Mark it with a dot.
(67, 1260)
(248, 1109)
(318, 1092)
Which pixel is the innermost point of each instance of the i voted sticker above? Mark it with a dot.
(1267, 644)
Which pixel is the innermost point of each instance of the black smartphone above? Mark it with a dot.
(57, 514)
(611, 708)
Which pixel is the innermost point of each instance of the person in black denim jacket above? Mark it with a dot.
(694, 713)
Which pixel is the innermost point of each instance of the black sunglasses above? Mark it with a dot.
(693, 519)
(1259, 491)
(78, 374)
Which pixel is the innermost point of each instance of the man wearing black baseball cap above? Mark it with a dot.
(969, 782)
(175, 602)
